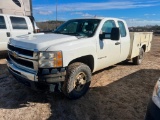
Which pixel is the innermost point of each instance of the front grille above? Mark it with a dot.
(22, 62)
(21, 51)
(15, 71)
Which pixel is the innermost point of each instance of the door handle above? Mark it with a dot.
(8, 34)
(29, 32)
(117, 43)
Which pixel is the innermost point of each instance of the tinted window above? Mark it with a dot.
(70, 28)
(122, 29)
(108, 25)
(2, 23)
(79, 27)
(18, 23)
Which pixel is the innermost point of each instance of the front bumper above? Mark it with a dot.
(34, 79)
(21, 73)
(153, 112)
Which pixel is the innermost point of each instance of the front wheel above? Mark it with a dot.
(77, 80)
(138, 60)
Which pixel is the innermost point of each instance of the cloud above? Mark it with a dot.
(45, 12)
(83, 9)
(87, 15)
(82, 14)
(76, 13)
(150, 14)
(82, 6)
(141, 22)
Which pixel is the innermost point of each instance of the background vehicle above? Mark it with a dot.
(15, 19)
(68, 57)
(12, 26)
(153, 111)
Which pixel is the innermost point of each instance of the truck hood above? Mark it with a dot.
(40, 42)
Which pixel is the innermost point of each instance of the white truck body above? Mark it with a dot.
(92, 51)
(12, 26)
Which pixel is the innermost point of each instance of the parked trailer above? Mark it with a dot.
(16, 7)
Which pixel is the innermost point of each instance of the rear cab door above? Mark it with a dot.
(20, 25)
(125, 40)
(4, 32)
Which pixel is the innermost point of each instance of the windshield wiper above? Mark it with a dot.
(55, 31)
(79, 35)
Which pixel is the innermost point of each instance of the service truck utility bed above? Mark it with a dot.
(138, 39)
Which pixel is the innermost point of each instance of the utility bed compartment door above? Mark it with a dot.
(146, 38)
(137, 40)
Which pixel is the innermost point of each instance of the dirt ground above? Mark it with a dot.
(120, 92)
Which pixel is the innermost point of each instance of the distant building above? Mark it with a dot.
(16, 7)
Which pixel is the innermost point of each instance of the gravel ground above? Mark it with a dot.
(120, 92)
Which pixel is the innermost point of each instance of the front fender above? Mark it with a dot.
(75, 49)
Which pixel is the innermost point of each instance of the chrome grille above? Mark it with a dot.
(21, 51)
(23, 58)
(22, 62)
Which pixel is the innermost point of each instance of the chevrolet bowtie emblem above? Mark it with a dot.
(15, 55)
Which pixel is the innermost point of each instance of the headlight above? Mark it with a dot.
(50, 59)
(156, 94)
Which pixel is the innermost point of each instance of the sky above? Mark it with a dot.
(135, 12)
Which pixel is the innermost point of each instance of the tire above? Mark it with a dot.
(138, 60)
(77, 81)
(125, 61)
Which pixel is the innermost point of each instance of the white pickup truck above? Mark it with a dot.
(67, 58)
(12, 26)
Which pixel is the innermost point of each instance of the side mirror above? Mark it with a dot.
(115, 34)
(105, 36)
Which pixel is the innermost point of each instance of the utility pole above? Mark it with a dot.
(56, 12)
(31, 8)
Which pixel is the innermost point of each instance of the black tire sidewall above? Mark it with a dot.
(137, 60)
(141, 52)
(71, 92)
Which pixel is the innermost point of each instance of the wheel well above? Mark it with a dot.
(88, 60)
(144, 47)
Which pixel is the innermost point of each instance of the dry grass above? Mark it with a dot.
(120, 92)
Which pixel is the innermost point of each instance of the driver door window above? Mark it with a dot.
(107, 27)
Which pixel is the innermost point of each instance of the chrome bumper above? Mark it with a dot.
(21, 73)
(32, 79)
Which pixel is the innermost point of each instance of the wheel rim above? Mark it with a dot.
(80, 81)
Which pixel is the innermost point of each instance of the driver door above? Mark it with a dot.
(108, 50)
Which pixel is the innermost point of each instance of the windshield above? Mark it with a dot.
(79, 27)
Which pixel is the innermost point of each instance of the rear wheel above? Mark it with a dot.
(138, 60)
(77, 81)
